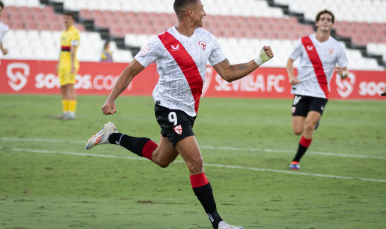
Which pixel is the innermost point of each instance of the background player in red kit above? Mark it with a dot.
(319, 53)
(181, 54)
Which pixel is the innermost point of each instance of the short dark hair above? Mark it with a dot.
(1, 4)
(180, 5)
(69, 14)
(324, 12)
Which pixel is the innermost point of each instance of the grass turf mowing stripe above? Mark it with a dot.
(182, 162)
(208, 147)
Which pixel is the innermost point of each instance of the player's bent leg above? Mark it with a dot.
(298, 124)
(305, 141)
(165, 153)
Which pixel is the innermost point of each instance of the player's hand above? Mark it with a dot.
(56, 69)
(5, 51)
(340, 71)
(268, 51)
(109, 107)
(294, 80)
(72, 70)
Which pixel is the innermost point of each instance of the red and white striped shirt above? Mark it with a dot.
(316, 65)
(181, 64)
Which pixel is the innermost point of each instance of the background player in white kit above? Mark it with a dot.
(181, 54)
(3, 29)
(319, 53)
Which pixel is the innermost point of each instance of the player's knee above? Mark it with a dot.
(196, 165)
(309, 127)
(298, 131)
(163, 164)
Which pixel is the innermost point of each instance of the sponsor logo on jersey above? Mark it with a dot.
(145, 50)
(310, 47)
(178, 129)
(202, 44)
(330, 51)
(296, 99)
(293, 109)
(177, 48)
(17, 74)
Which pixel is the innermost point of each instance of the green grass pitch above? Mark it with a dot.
(48, 181)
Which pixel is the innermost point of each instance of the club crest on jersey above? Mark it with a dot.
(330, 51)
(145, 50)
(202, 44)
(293, 109)
(178, 129)
(310, 47)
(177, 48)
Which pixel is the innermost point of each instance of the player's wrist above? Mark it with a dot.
(262, 58)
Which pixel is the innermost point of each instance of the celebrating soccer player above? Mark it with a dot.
(181, 54)
(319, 53)
(68, 66)
(3, 29)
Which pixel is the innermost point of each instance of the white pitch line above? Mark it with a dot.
(210, 165)
(208, 147)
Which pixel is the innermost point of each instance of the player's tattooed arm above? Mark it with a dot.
(234, 72)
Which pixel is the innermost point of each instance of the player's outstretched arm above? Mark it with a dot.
(234, 72)
(122, 83)
(290, 71)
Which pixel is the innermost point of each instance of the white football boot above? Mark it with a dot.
(102, 137)
(223, 225)
(61, 116)
(69, 116)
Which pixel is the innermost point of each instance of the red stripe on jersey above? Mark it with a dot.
(198, 180)
(66, 48)
(186, 63)
(317, 63)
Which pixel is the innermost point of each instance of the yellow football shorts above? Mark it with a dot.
(65, 76)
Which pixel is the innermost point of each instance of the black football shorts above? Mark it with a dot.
(301, 105)
(175, 124)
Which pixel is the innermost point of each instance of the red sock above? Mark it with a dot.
(305, 142)
(148, 149)
(198, 180)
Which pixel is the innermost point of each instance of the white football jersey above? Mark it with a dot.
(181, 64)
(3, 30)
(330, 53)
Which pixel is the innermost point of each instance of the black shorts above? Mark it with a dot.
(175, 124)
(301, 105)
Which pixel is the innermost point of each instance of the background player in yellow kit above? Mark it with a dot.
(68, 66)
